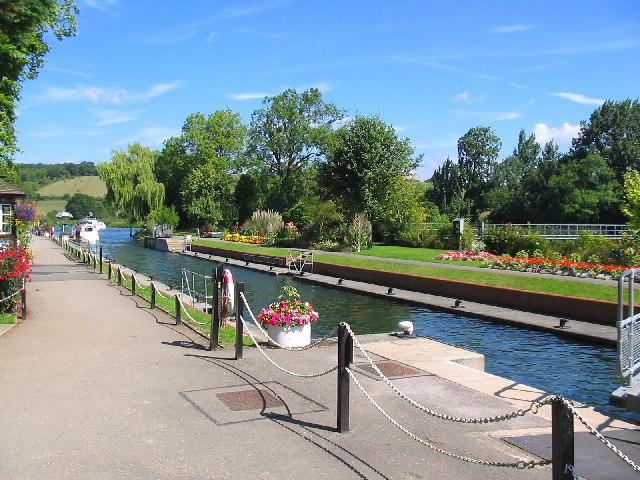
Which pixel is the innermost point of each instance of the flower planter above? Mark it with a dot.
(291, 336)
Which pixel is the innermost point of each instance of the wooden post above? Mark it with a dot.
(239, 323)
(178, 312)
(153, 295)
(562, 447)
(345, 357)
(119, 276)
(133, 283)
(215, 312)
(23, 301)
(100, 259)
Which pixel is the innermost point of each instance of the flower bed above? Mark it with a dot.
(237, 237)
(466, 255)
(15, 264)
(562, 266)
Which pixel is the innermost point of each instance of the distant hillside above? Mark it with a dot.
(89, 185)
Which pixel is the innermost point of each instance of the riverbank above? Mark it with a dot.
(124, 393)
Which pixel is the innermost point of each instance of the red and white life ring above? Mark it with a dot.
(228, 291)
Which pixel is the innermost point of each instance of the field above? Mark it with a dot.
(52, 204)
(91, 185)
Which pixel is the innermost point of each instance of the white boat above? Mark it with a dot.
(88, 229)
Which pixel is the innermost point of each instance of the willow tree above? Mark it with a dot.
(132, 187)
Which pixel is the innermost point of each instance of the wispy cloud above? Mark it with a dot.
(401, 128)
(513, 28)
(253, 8)
(102, 4)
(151, 135)
(112, 117)
(241, 97)
(467, 97)
(68, 72)
(109, 95)
(579, 98)
(440, 66)
(59, 132)
(489, 116)
(561, 135)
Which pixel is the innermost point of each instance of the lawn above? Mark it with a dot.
(89, 185)
(6, 318)
(536, 284)
(410, 253)
(49, 205)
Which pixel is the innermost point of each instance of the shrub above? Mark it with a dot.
(163, 216)
(15, 264)
(508, 240)
(264, 222)
(359, 232)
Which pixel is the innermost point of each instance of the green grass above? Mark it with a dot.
(50, 205)
(89, 185)
(535, 284)
(410, 253)
(7, 318)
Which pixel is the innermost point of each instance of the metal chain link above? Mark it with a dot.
(300, 375)
(12, 295)
(271, 340)
(533, 408)
(520, 464)
(183, 308)
(159, 292)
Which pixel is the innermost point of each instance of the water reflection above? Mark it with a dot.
(586, 373)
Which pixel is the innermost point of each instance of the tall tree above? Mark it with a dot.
(613, 132)
(446, 191)
(632, 197)
(246, 196)
(131, 183)
(287, 136)
(207, 193)
(23, 27)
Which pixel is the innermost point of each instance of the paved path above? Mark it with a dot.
(96, 386)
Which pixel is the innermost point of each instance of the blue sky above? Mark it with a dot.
(137, 68)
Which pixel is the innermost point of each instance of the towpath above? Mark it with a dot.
(95, 385)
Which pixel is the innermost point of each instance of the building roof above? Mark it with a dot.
(6, 189)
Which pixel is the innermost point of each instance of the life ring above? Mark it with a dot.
(228, 291)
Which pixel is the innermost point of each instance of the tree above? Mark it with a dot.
(359, 233)
(246, 196)
(446, 191)
(632, 196)
(23, 27)
(613, 132)
(365, 162)
(207, 195)
(288, 135)
(131, 183)
(81, 205)
(217, 139)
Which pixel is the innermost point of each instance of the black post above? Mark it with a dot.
(133, 283)
(239, 324)
(153, 295)
(101, 259)
(23, 301)
(345, 357)
(215, 312)
(109, 270)
(178, 312)
(119, 277)
(562, 448)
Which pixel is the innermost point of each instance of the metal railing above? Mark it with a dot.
(628, 329)
(561, 231)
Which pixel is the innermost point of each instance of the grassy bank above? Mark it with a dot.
(7, 318)
(535, 284)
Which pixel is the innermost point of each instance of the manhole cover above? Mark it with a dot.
(249, 400)
(390, 369)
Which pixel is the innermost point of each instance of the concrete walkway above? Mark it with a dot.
(97, 386)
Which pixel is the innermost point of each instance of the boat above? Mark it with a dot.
(88, 229)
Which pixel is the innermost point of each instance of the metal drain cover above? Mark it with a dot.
(389, 368)
(254, 399)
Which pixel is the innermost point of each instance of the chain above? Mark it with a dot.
(159, 292)
(142, 287)
(183, 308)
(300, 375)
(533, 408)
(520, 464)
(271, 340)
(12, 295)
(599, 436)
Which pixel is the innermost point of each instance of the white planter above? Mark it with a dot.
(297, 336)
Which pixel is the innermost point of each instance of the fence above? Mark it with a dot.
(563, 411)
(628, 329)
(561, 231)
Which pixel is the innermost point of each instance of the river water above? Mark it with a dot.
(579, 371)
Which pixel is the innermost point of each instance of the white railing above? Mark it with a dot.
(561, 231)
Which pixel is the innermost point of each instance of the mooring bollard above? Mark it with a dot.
(119, 277)
(562, 441)
(23, 301)
(239, 323)
(153, 294)
(215, 308)
(101, 259)
(178, 312)
(109, 270)
(133, 283)
(345, 358)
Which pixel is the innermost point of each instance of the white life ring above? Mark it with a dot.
(228, 291)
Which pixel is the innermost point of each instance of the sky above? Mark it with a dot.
(431, 69)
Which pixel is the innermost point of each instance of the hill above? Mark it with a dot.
(89, 185)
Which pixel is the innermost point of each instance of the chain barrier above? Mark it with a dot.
(159, 292)
(272, 341)
(520, 464)
(183, 308)
(11, 296)
(261, 350)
